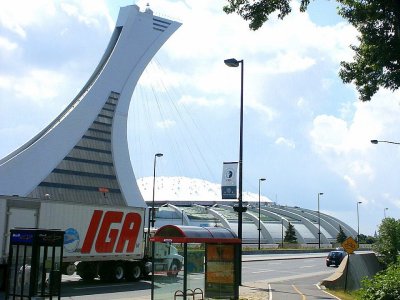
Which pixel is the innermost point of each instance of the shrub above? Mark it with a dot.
(385, 285)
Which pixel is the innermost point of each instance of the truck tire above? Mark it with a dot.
(133, 271)
(111, 271)
(118, 272)
(68, 269)
(174, 268)
(86, 270)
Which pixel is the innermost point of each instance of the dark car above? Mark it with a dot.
(335, 257)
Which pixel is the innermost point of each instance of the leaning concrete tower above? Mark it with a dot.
(83, 155)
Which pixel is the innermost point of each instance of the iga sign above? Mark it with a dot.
(110, 231)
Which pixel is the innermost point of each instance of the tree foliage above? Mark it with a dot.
(377, 57)
(367, 239)
(290, 235)
(341, 236)
(384, 285)
(388, 244)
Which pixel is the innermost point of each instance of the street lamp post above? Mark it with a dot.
(358, 223)
(152, 220)
(319, 224)
(282, 234)
(232, 62)
(259, 212)
(384, 211)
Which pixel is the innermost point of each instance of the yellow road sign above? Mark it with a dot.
(350, 245)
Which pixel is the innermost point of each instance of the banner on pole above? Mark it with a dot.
(228, 184)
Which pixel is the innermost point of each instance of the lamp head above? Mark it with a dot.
(320, 194)
(232, 62)
(262, 179)
(159, 154)
(374, 141)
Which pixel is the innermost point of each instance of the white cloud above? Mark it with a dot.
(351, 182)
(87, 11)
(37, 86)
(7, 45)
(370, 119)
(18, 14)
(285, 142)
(329, 133)
(344, 145)
(287, 63)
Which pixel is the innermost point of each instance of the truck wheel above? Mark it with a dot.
(133, 271)
(86, 270)
(174, 269)
(111, 271)
(118, 272)
(68, 269)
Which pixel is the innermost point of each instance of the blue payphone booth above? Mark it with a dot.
(35, 259)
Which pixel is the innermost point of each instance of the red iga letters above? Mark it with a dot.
(112, 230)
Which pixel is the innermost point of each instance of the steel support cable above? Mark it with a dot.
(142, 118)
(175, 143)
(159, 106)
(201, 133)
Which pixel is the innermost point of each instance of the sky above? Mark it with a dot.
(305, 131)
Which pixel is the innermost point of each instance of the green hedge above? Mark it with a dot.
(385, 285)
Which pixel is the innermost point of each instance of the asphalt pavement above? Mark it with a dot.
(259, 290)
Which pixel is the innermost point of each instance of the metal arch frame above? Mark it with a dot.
(279, 218)
(329, 227)
(180, 211)
(264, 231)
(224, 221)
(326, 218)
(309, 225)
(298, 235)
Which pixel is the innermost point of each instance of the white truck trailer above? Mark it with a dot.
(104, 241)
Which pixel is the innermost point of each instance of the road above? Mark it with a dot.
(286, 279)
(264, 276)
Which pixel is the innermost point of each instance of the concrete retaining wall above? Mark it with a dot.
(359, 266)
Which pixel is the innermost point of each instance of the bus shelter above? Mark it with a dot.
(208, 270)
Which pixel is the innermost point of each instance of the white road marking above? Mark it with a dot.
(263, 271)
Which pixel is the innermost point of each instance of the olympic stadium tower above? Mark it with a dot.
(83, 155)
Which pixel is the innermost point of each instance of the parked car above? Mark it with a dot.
(335, 258)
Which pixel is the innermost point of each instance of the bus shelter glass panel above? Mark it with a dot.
(168, 278)
(185, 282)
(220, 281)
(195, 271)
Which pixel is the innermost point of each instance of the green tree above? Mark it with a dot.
(377, 57)
(367, 239)
(290, 235)
(384, 285)
(341, 236)
(388, 244)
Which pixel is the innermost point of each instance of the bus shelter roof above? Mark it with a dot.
(195, 234)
